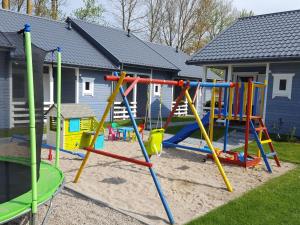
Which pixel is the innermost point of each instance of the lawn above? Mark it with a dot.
(275, 202)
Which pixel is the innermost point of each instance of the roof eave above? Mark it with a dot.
(239, 61)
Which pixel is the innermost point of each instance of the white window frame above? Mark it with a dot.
(156, 93)
(87, 92)
(276, 81)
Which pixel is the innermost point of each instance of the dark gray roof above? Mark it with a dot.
(48, 34)
(178, 58)
(121, 48)
(70, 110)
(259, 38)
(4, 42)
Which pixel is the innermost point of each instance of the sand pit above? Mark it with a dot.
(191, 186)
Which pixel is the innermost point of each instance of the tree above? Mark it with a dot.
(54, 9)
(41, 8)
(6, 4)
(223, 14)
(130, 14)
(90, 12)
(245, 13)
(17, 5)
(29, 7)
(154, 18)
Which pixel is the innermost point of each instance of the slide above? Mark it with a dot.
(186, 131)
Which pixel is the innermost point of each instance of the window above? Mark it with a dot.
(156, 88)
(46, 69)
(87, 86)
(282, 85)
(52, 123)
(74, 125)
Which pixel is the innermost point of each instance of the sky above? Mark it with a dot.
(257, 6)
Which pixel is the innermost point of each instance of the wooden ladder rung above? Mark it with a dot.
(266, 141)
(255, 117)
(260, 128)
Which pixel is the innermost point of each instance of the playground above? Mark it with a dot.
(191, 186)
(151, 176)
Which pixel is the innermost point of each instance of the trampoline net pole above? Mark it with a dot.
(30, 83)
(58, 102)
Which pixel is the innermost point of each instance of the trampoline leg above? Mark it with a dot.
(33, 219)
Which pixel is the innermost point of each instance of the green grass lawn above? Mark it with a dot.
(218, 132)
(275, 202)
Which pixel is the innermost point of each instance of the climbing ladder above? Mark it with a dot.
(256, 132)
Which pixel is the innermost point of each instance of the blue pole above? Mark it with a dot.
(226, 99)
(141, 143)
(207, 84)
(255, 101)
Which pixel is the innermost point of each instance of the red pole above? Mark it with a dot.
(146, 80)
(122, 158)
(248, 118)
(178, 99)
(50, 157)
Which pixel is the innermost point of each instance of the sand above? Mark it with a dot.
(192, 187)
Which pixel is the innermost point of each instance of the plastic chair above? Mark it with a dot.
(112, 135)
(154, 143)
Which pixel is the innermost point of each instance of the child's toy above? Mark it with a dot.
(77, 127)
(157, 137)
(112, 135)
(245, 103)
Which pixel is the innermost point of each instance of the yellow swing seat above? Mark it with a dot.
(154, 143)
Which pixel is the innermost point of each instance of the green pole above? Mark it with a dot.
(30, 87)
(58, 103)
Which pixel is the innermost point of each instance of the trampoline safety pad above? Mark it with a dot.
(51, 178)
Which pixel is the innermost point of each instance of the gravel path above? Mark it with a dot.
(70, 208)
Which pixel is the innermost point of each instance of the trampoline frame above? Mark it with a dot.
(32, 204)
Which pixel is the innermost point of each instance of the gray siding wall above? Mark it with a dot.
(102, 90)
(281, 111)
(68, 79)
(166, 92)
(4, 87)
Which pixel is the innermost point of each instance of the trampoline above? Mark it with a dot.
(25, 181)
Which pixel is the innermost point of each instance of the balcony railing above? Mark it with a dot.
(120, 111)
(182, 109)
(20, 113)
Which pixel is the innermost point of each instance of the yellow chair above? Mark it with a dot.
(154, 143)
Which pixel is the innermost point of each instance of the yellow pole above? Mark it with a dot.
(110, 101)
(212, 113)
(202, 129)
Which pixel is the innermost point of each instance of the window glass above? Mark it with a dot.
(87, 86)
(282, 84)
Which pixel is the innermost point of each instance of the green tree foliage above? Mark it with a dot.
(91, 11)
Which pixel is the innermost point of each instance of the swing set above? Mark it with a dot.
(154, 143)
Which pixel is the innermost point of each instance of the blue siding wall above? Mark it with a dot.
(281, 111)
(102, 90)
(166, 93)
(4, 87)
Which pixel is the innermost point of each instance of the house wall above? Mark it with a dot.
(4, 86)
(68, 79)
(166, 95)
(102, 90)
(281, 111)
